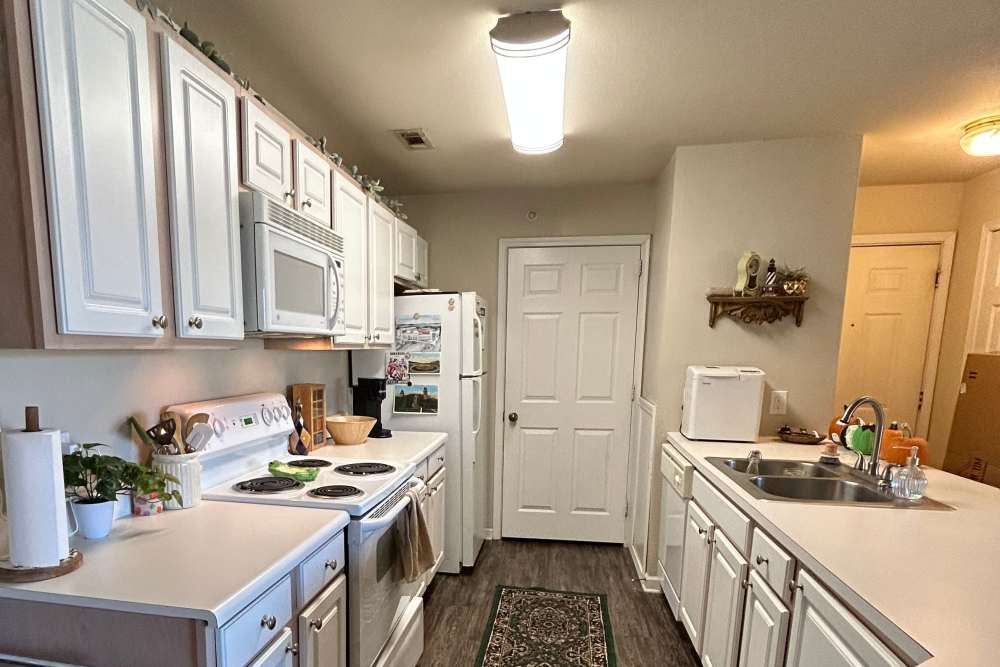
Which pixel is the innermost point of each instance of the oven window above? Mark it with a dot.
(298, 285)
(386, 554)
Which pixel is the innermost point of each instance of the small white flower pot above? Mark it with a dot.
(95, 519)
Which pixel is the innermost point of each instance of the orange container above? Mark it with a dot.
(897, 449)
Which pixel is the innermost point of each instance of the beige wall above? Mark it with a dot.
(898, 209)
(90, 394)
(464, 232)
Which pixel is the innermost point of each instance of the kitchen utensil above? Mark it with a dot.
(163, 435)
(349, 429)
(178, 428)
(193, 420)
(198, 437)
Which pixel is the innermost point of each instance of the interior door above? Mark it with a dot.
(95, 113)
(323, 628)
(723, 604)
(200, 121)
(381, 230)
(571, 323)
(887, 315)
(267, 154)
(350, 220)
(312, 184)
(986, 306)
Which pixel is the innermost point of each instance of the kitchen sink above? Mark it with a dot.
(807, 482)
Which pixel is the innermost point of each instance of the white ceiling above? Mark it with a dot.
(644, 76)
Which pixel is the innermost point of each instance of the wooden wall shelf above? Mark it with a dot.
(755, 309)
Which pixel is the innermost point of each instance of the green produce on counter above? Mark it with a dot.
(279, 469)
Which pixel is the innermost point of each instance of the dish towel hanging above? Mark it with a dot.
(415, 552)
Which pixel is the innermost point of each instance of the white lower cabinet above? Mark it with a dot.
(765, 626)
(323, 628)
(437, 518)
(826, 634)
(694, 575)
(723, 604)
(279, 653)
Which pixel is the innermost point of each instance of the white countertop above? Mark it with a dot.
(206, 562)
(931, 573)
(404, 446)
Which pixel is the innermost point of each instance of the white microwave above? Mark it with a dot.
(293, 272)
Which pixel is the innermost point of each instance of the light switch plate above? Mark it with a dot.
(779, 402)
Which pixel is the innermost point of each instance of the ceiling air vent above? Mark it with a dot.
(414, 139)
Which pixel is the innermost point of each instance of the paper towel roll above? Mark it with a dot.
(36, 498)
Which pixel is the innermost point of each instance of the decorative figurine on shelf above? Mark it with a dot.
(747, 270)
(771, 279)
(794, 282)
(337, 158)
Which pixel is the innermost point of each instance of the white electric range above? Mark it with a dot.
(250, 432)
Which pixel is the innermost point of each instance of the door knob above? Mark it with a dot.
(512, 418)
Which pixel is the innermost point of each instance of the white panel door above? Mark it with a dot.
(92, 59)
(765, 626)
(323, 628)
(825, 634)
(887, 317)
(350, 220)
(267, 154)
(199, 109)
(406, 248)
(571, 323)
(420, 268)
(694, 572)
(381, 234)
(723, 604)
(312, 184)
(986, 303)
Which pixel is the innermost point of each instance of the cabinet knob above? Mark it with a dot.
(761, 560)
(307, 202)
(292, 648)
(440, 459)
(196, 322)
(290, 194)
(268, 621)
(160, 321)
(332, 564)
(316, 623)
(702, 531)
(378, 336)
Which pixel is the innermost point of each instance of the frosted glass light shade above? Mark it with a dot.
(982, 137)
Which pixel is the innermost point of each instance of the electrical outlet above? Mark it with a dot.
(779, 402)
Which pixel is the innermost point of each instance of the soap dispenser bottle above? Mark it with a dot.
(910, 481)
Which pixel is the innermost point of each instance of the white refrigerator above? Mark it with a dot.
(449, 327)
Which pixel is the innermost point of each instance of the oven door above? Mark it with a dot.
(378, 594)
(299, 284)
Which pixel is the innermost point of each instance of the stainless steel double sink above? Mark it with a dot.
(802, 481)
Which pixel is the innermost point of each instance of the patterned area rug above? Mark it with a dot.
(533, 627)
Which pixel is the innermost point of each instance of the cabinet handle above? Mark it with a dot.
(440, 459)
(292, 648)
(378, 336)
(702, 531)
(332, 564)
(761, 560)
(290, 193)
(316, 623)
(307, 202)
(746, 584)
(268, 621)
(160, 321)
(195, 322)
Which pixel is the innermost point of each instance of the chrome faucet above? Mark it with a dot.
(879, 429)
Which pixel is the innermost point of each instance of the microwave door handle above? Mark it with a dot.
(333, 306)
(370, 525)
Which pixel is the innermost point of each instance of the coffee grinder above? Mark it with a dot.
(368, 396)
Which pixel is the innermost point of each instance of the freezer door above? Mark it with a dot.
(474, 471)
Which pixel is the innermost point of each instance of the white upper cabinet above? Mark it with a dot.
(350, 220)
(381, 228)
(200, 120)
(267, 154)
(421, 262)
(406, 251)
(826, 634)
(312, 184)
(95, 112)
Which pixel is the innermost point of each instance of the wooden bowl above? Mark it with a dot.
(349, 429)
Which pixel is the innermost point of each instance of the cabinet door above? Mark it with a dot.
(279, 653)
(723, 604)
(765, 626)
(267, 154)
(438, 518)
(694, 573)
(421, 264)
(350, 220)
(826, 634)
(406, 251)
(312, 184)
(199, 109)
(95, 112)
(381, 230)
(323, 628)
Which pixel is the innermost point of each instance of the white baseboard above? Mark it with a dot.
(488, 534)
(640, 567)
(651, 585)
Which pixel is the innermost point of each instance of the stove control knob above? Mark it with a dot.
(276, 413)
(218, 427)
(265, 416)
(285, 412)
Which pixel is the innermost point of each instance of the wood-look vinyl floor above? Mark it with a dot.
(456, 608)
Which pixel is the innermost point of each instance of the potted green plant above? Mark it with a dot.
(93, 481)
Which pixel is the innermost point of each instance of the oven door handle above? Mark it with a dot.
(370, 525)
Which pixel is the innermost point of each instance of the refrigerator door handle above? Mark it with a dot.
(477, 405)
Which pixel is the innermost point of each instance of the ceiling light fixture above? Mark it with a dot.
(982, 137)
(531, 56)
